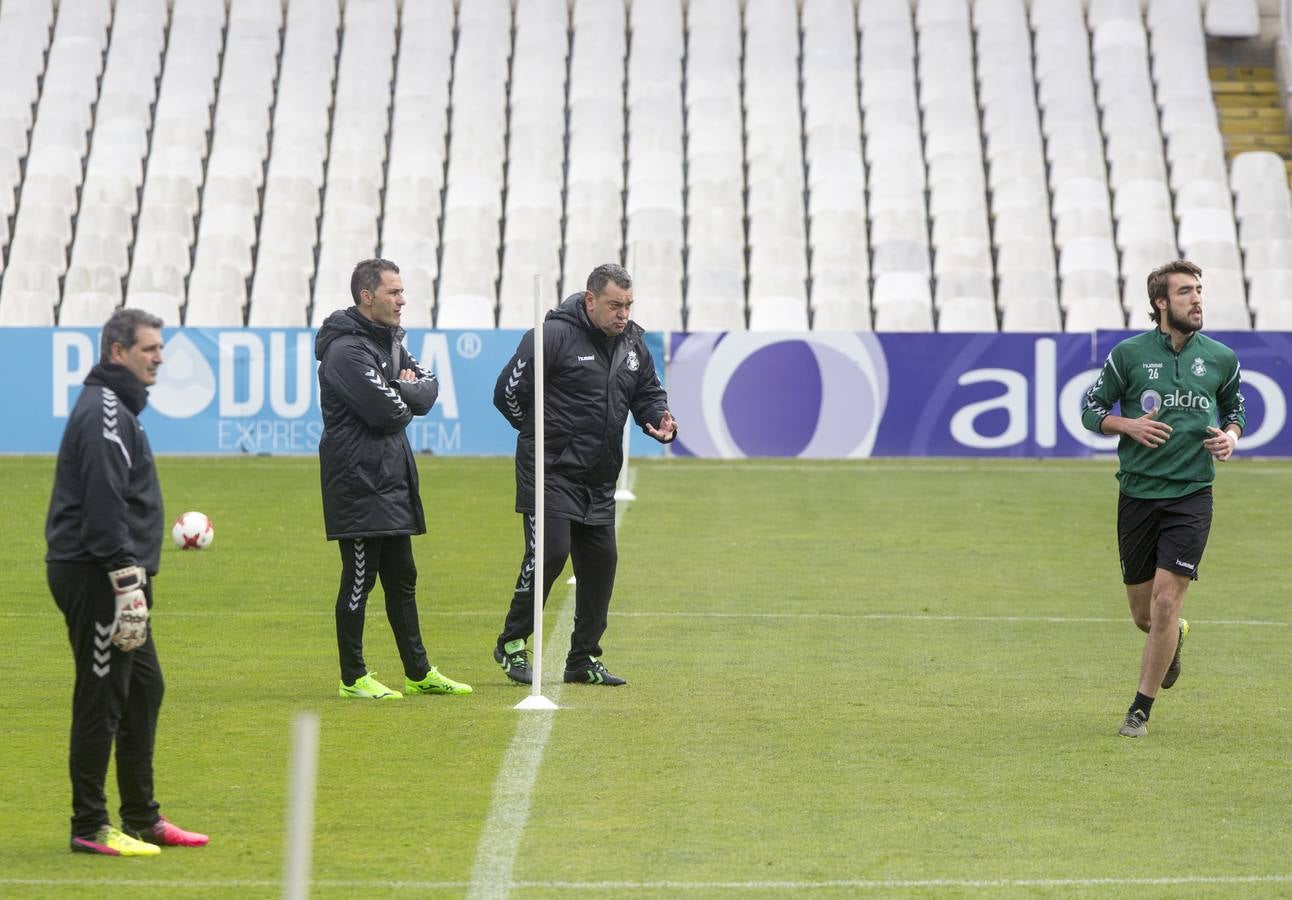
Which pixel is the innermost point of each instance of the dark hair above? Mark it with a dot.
(1157, 282)
(121, 328)
(367, 276)
(606, 273)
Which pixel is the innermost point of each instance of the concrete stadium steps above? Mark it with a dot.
(1248, 99)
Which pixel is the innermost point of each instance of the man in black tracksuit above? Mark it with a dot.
(598, 370)
(370, 388)
(104, 533)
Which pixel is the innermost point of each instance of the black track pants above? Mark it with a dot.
(362, 560)
(116, 698)
(595, 555)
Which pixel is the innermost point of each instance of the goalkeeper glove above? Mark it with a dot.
(130, 627)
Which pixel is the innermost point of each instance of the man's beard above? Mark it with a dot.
(1183, 326)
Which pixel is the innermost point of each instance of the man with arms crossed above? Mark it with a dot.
(104, 534)
(370, 388)
(1181, 410)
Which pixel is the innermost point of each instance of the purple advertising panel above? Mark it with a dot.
(840, 395)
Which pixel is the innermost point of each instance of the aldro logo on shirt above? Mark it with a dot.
(1151, 400)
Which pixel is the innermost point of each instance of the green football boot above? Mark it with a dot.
(367, 687)
(435, 683)
(110, 841)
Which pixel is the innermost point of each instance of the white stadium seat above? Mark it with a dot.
(833, 164)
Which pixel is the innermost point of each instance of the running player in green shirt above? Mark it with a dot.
(1181, 410)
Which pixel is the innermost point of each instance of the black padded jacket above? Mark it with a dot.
(366, 465)
(106, 506)
(593, 382)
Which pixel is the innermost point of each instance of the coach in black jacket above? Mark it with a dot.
(104, 534)
(598, 370)
(370, 388)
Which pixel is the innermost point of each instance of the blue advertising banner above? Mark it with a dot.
(252, 390)
(840, 395)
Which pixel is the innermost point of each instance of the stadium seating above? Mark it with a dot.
(964, 165)
(532, 213)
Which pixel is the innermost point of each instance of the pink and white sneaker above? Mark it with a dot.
(166, 834)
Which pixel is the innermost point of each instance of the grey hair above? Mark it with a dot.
(604, 274)
(367, 276)
(122, 328)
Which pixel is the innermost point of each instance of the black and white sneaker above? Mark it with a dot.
(514, 659)
(594, 672)
(1136, 725)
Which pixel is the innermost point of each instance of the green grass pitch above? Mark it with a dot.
(874, 678)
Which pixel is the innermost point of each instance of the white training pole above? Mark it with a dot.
(300, 806)
(536, 700)
(621, 489)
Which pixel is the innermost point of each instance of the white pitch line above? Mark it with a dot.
(705, 614)
(504, 826)
(874, 467)
(890, 884)
(921, 617)
(1098, 465)
(896, 884)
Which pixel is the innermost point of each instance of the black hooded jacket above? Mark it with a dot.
(593, 382)
(366, 466)
(106, 506)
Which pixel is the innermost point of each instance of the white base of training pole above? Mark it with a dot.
(536, 701)
(625, 494)
(571, 580)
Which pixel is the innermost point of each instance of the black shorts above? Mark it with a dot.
(1162, 534)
